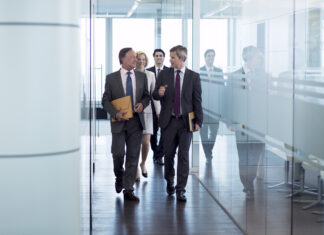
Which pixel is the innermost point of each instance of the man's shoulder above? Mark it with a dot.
(113, 74)
(191, 72)
(218, 69)
(203, 68)
(152, 69)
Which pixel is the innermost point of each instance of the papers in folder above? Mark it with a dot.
(123, 104)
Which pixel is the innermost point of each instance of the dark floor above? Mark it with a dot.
(156, 213)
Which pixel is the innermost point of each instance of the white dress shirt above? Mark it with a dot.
(123, 74)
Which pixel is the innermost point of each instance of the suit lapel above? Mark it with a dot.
(172, 83)
(185, 81)
(120, 84)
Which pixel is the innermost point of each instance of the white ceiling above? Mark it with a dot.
(169, 8)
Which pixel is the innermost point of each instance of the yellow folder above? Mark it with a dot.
(191, 120)
(123, 104)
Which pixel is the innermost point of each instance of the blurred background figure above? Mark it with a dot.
(208, 131)
(141, 63)
(250, 150)
(157, 146)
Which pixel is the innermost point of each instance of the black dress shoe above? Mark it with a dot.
(129, 195)
(119, 185)
(181, 197)
(170, 189)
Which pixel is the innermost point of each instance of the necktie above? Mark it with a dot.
(176, 106)
(158, 73)
(129, 87)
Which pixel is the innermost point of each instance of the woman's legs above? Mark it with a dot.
(145, 149)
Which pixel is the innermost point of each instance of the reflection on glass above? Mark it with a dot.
(208, 132)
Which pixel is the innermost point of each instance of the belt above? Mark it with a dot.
(177, 116)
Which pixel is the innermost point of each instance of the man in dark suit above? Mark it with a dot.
(208, 131)
(179, 90)
(157, 146)
(126, 82)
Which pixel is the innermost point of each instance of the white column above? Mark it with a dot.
(40, 116)
(196, 67)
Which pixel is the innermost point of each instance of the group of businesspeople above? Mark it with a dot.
(163, 97)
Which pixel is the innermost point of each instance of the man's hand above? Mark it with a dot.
(120, 116)
(162, 90)
(197, 127)
(138, 107)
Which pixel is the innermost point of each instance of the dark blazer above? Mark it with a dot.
(152, 69)
(114, 90)
(190, 95)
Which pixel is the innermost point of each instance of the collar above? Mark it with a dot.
(156, 68)
(124, 71)
(183, 69)
(245, 68)
(209, 68)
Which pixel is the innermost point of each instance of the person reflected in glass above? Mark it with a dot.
(250, 150)
(208, 131)
(141, 63)
(157, 146)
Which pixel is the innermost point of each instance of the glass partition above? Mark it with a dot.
(261, 139)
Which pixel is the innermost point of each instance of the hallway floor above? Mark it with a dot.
(156, 213)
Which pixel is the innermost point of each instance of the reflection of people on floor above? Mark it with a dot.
(250, 150)
(208, 131)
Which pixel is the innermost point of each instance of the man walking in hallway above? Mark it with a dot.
(208, 131)
(179, 90)
(126, 82)
(157, 146)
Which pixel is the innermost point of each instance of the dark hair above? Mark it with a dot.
(123, 52)
(248, 53)
(180, 50)
(158, 50)
(208, 51)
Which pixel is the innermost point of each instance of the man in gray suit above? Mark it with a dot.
(126, 82)
(179, 90)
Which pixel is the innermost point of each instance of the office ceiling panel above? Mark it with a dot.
(169, 8)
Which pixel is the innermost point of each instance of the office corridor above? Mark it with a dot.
(156, 213)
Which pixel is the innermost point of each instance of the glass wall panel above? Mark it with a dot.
(87, 113)
(266, 170)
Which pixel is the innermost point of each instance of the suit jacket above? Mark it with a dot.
(152, 69)
(190, 95)
(114, 90)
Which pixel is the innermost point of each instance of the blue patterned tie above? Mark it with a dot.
(129, 87)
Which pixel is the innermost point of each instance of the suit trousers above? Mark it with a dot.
(208, 134)
(131, 136)
(178, 137)
(156, 145)
(249, 154)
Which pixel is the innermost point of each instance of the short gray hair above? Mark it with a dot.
(181, 51)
